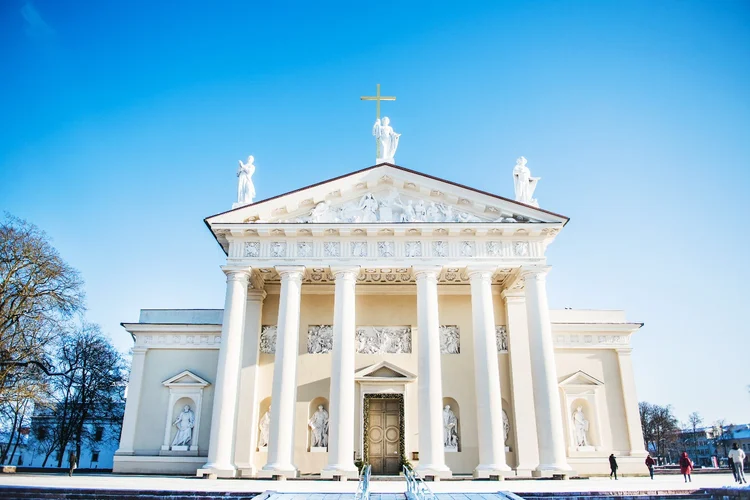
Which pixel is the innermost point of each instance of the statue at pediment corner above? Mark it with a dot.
(245, 186)
(524, 184)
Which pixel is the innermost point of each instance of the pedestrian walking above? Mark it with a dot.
(731, 466)
(612, 466)
(686, 467)
(72, 463)
(737, 456)
(650, 462)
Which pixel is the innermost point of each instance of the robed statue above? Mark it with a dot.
(581, 427)
(387, 140)
(184, 422)
(524, 183)
(265, 428)
(450, 428)
(319, 427)
(245, 187)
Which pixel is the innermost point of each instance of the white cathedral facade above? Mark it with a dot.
(384, 317)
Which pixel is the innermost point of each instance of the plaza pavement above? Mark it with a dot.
(663, 484)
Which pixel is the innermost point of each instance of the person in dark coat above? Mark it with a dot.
(612, 466)
(650, 462)
(72, 463)
(686, 467)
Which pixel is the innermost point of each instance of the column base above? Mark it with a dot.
(343, 471)
(246, 471)
(437, 472)
(496, 472)
(277, 471)
(564, 471)
(215, 471)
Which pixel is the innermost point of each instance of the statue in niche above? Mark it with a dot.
(265, 429)
(506, 428)
(387, 139)
(245, 187)
(184, 422)
(369, 206)
(523, 183)
(319, 425)
(450, 428)
(581, 427)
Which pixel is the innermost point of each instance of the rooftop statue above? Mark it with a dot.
(387, 140)
(524, 184)
(245, 187)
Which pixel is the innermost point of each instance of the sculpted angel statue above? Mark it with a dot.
(387, 139)
(369, 206)
(524, 184)
(245, 187)
(184, 423)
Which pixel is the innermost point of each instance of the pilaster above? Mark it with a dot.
(130, 419)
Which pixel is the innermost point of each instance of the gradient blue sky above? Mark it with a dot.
(121, 124)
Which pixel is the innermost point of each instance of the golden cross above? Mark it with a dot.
(377, 98)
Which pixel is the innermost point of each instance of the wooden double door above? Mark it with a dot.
(384, 436)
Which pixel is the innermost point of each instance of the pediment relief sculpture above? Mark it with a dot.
(393, 206)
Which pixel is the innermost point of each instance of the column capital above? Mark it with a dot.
(139, 350)
(422, 272)
(534, 272)
(345, 272)
(486, 271)
(237, 273)
(291, 273)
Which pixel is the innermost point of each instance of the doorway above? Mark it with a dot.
(384, 432)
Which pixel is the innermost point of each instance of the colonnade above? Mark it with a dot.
(489, 423)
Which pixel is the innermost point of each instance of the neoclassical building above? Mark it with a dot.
(385, 316)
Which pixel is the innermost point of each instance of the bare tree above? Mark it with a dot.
(37, 290)
(695, 420)
(660, 430)
(90, 393)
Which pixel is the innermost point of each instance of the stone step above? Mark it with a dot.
(23, 493)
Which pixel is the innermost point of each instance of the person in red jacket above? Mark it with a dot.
(686, 467)
(650, 462)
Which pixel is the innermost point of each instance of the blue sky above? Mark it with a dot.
(122, 124)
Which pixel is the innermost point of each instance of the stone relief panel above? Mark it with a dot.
(501, 338)
(278, 249)
(413, 248)
(386, 248)
(439, 248)
(252, 248)
(383, 339)
(521, 248)
(304, 249)
(319, 339)
(268, 339)
(494, 248)
(359, 249)
(332, 249)
(467, 249)
(450, 339)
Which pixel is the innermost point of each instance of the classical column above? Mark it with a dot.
(341, 409)
(246, 438)
(630, 402)
(221, 444)
(430, 384)
(524, 423)
(284, 392)
(549, 425)
(127, 436)
(487, 377)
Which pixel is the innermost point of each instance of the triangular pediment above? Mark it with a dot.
(384, 372)
(580, 378)
(387, 193)
(185, 379)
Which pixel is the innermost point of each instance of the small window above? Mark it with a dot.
(99, 433)
(94, 456)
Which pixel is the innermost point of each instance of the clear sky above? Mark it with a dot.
(121, 124)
